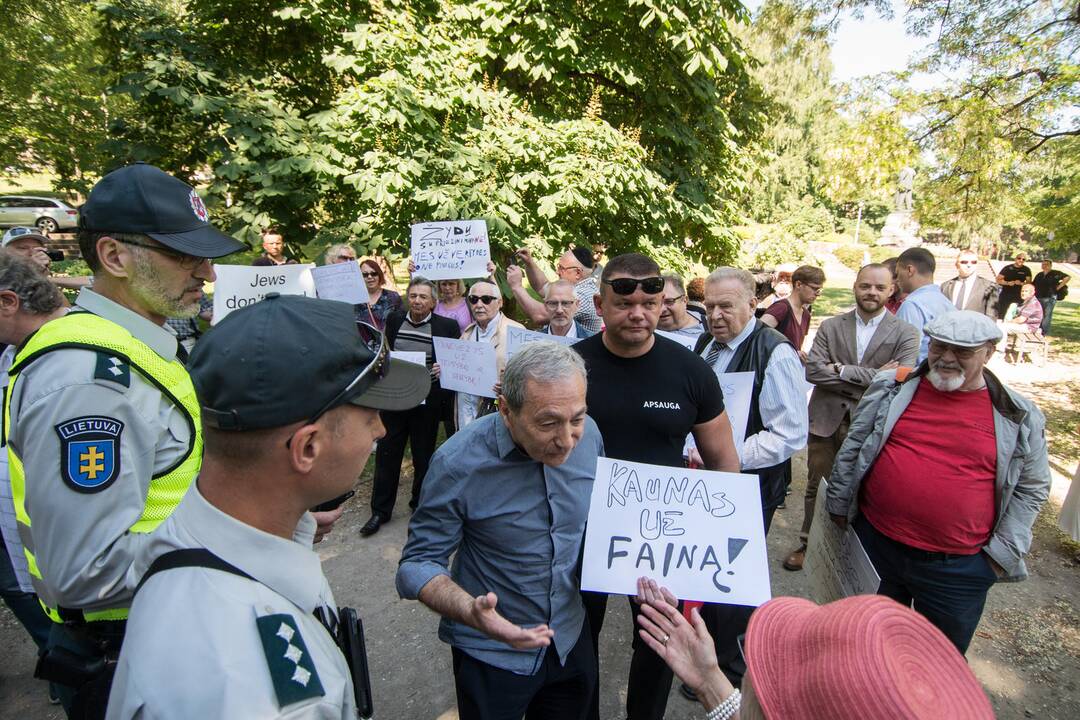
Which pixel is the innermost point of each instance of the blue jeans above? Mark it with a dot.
(948, 590)
(1048, 304)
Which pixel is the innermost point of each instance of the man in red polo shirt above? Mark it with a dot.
(943, 473)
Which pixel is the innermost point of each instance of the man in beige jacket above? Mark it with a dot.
(848, 350)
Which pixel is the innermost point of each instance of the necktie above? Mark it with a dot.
(714, 353)
(960, 294)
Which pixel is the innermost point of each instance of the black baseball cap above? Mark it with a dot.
(289, 358)
(140, 198)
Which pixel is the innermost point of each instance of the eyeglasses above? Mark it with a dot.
(961, 353)
(670, 302)
(627, 286)
(486, 299)
(567, 268)
(188, 262)
(556, 304)
(368, 273)
(376, 369)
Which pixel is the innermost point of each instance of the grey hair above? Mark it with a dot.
(545, 362)
(334, 250)
(429, 284)
(558, 284)
(37, 295)
(676, 281)
(743, 277)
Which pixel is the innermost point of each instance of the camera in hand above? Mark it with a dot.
(55, 255)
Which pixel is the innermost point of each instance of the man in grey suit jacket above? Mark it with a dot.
(969, 291)
(848, 351)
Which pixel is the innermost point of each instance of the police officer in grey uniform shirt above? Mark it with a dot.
(241, 639)
(102, 419)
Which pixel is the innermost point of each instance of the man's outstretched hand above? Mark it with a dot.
(491, 623)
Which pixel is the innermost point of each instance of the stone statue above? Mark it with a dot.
(905, 183)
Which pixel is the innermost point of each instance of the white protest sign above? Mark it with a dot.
(699, 533)
(516, 338)
(340, 281)
(738, 389)
(836, 562)
(466, 366)
(409, 356)
(684, 340)
(238, 286)
(451, 250)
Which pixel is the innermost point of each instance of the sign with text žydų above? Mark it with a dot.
(451, 250)
(696, 532)
(238, 286)
(466, 366)
(342, 282)
(837, 565)
(517, 338)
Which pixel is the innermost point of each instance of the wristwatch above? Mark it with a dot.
(837, 368)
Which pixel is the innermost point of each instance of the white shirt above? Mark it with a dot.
(782, 403)
(466, 403)
(961, 290)
(193, 647)
(864, 331)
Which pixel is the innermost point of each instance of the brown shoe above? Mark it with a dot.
(794, 561)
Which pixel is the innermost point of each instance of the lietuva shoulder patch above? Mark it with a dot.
(291, 668)
(112, 369)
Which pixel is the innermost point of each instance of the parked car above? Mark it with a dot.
(47, 214)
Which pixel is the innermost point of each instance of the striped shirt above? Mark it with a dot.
(416, 337)
(586, 314)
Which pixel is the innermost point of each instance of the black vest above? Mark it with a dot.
(753, 356)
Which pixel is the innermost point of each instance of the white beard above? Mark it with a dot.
(945, 384)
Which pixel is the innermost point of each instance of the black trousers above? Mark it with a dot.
(650, 677)
(418, 426)
(555, 692)
(727, 622)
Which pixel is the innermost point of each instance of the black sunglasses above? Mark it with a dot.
(188, 262)
(486, 299)
(376, 369)
(627, 286)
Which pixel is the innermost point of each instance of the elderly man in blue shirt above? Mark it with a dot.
(925, 301)
(510, 495)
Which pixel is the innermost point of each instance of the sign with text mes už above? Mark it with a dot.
(696, 532)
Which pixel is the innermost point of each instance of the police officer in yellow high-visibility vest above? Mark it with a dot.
(102, 421)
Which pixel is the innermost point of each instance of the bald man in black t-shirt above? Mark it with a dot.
(646, 394)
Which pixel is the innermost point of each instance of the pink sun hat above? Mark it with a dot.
(860, 658)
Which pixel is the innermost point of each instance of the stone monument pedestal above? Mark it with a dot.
(901, 230)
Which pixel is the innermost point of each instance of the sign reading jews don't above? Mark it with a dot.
(517, 338)
(238, 286)
(451, 250)
(466, 366)
(836, 561)
(696, 532)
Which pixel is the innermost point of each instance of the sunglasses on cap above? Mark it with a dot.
(375, 341)
(627, 286)
(486, 299)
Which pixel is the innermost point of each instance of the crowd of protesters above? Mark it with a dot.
(285, 399)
